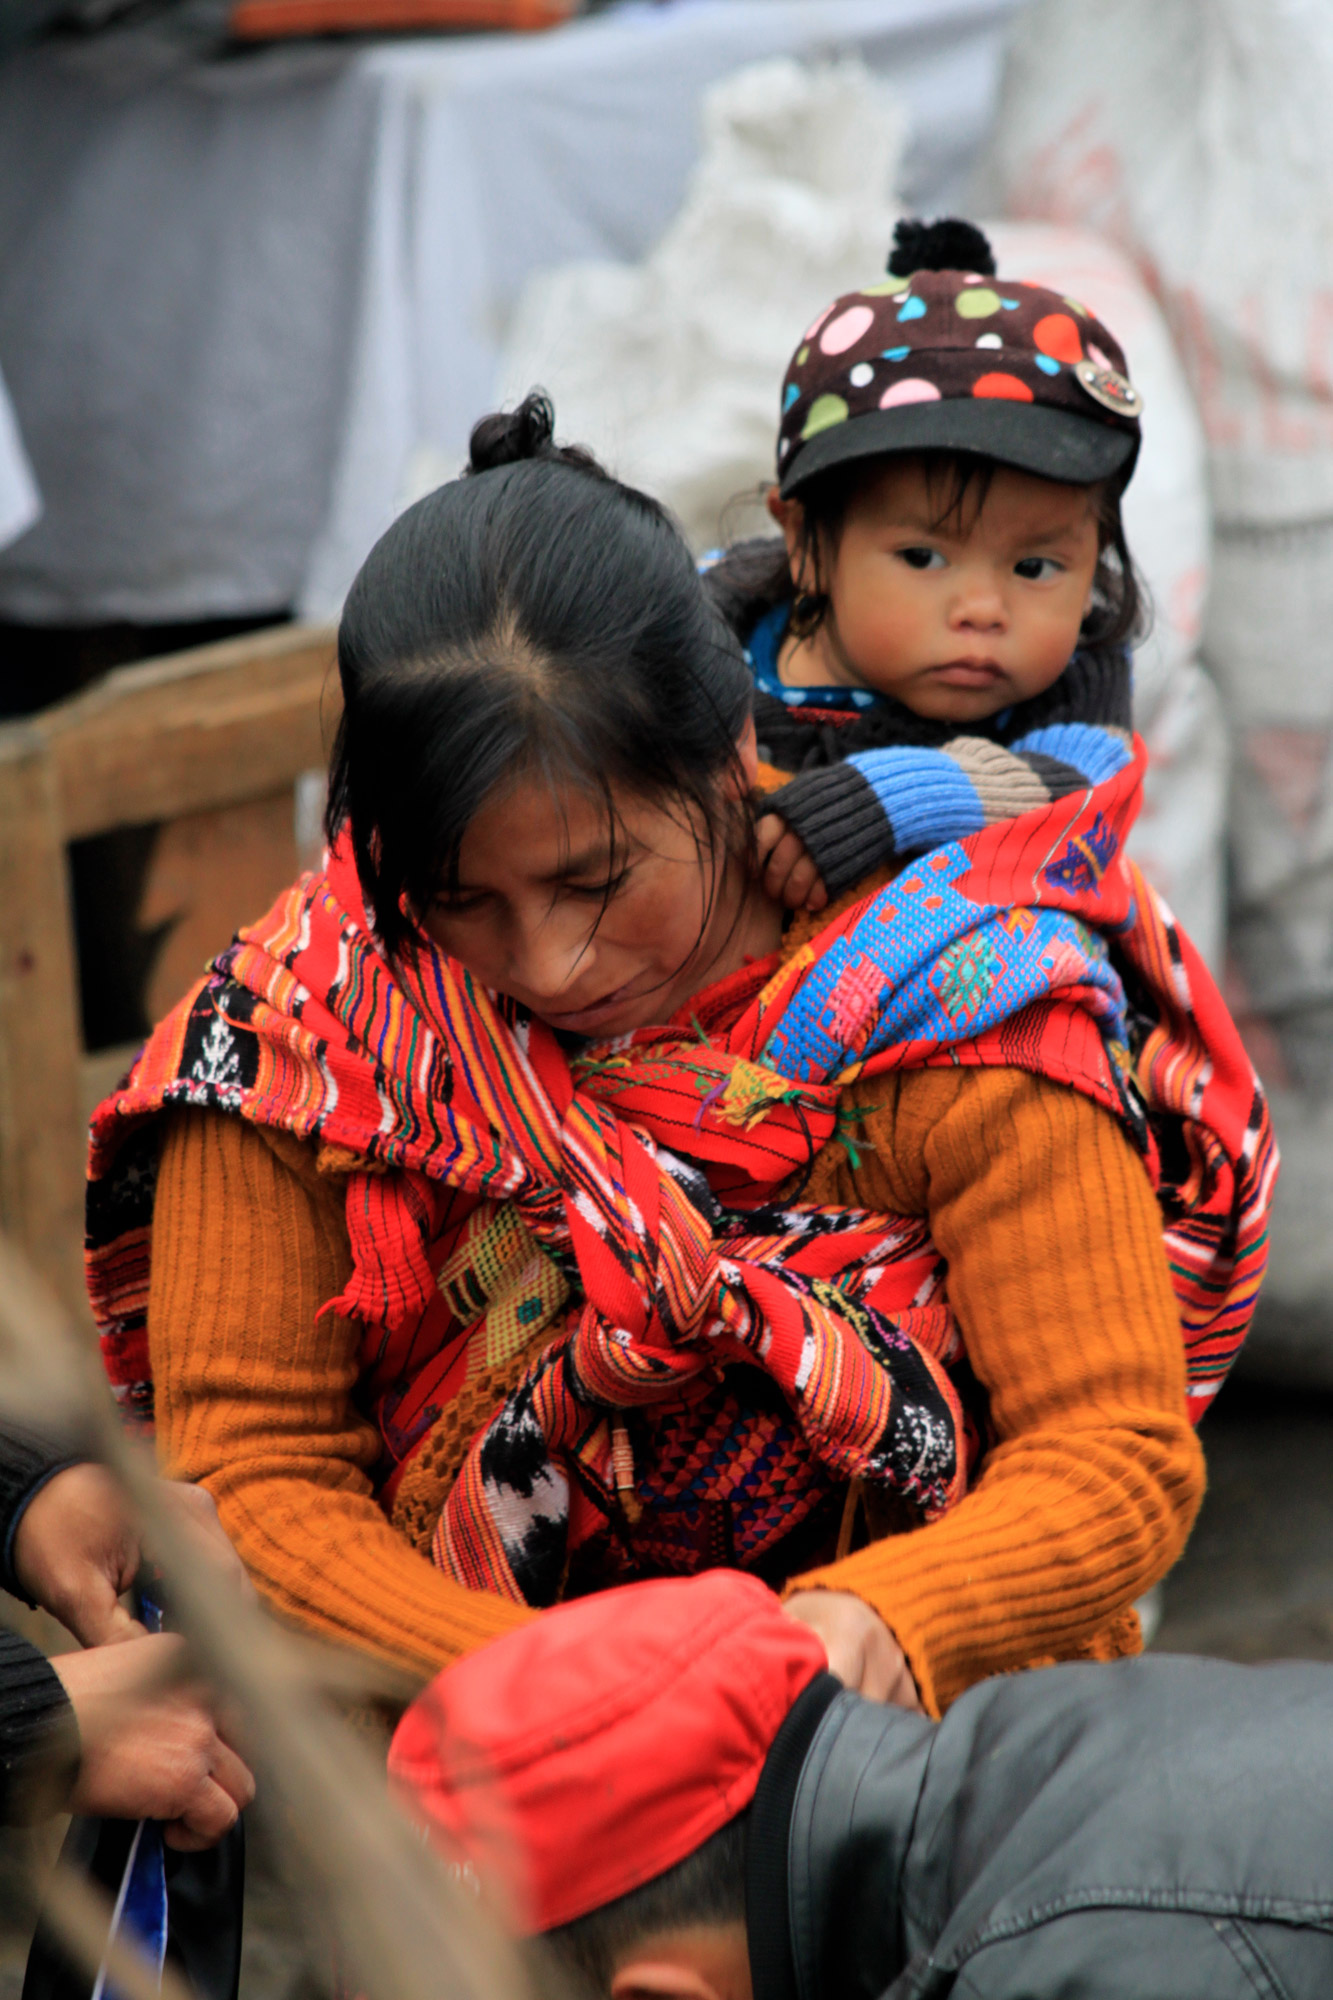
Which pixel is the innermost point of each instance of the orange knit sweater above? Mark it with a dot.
(1056, 1272)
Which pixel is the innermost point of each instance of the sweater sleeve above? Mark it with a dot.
(27, 1461)
(1059, 1281)
(884, 804)
(39, 1738)
(254, 1395)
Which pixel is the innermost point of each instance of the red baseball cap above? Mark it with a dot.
(575, 1759)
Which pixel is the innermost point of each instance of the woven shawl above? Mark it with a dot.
(599, 1238)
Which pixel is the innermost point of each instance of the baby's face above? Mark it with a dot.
(961, 617)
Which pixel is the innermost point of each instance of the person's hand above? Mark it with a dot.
(862, 1651)
(786, 866)
(150, 1749)
(77, 1550)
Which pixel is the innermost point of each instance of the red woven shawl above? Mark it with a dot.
(990, 951)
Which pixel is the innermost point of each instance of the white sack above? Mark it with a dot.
(1196, 135)
(670, 370)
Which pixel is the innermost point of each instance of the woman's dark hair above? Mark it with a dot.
(533, 615)
(755, 576)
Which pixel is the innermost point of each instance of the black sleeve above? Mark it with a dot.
(844, 827)
(27, 1461)
(39, 1738)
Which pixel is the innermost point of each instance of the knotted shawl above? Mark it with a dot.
(594, 1239)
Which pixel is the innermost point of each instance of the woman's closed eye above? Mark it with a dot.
(1038, 569)
(598, 892)
(921, 558)
(460, 906)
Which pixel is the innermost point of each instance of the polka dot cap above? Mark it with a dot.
(957, 361)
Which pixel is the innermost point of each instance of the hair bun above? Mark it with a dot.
(947, 245)
(509, 435)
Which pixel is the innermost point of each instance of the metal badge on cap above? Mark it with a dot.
(1109, 387)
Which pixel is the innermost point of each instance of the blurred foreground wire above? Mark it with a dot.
(402, 1929)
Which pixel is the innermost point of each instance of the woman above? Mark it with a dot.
(479, 1227)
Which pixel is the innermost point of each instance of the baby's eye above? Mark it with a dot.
(1038, 569)
(922, 558)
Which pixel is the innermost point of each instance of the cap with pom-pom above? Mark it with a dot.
(942, 355)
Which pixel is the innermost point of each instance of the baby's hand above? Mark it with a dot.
(786, 866)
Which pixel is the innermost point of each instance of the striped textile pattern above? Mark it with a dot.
(648, 1177)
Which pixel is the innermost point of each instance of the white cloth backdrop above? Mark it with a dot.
(239, 303)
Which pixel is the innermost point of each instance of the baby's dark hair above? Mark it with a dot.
(534, 615)
(707, 1887)
(754, 576)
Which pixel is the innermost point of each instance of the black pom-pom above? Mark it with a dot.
(947, 245)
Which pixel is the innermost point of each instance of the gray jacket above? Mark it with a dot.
(1156, 1829)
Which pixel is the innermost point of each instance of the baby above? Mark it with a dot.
(939, 642)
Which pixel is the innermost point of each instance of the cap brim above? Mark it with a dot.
(1055, 444)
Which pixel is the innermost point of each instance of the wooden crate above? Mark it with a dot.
(188, 740)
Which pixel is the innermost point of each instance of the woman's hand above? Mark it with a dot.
(149, 1749)
(862, 1651)
(76, 1549)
